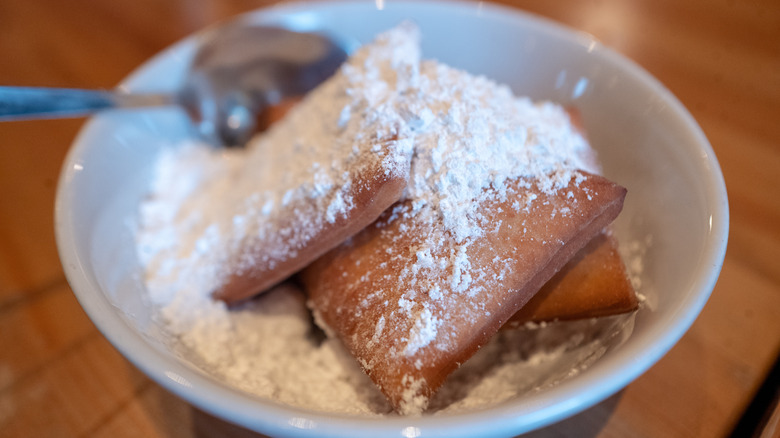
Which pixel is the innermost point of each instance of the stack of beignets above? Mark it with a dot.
(485, 198)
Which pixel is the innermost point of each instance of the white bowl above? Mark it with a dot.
(647, 141)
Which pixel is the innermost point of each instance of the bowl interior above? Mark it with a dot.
(646, 140)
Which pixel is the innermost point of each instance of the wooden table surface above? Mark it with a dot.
(60, 377)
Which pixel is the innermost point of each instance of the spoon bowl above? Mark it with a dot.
(242, 70)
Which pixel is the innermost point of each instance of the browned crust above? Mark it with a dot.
(592, 284)
(255, 268)
(354, 286)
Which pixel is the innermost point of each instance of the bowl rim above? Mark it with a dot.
(274, 418)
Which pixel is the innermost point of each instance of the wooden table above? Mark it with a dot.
(60, 377)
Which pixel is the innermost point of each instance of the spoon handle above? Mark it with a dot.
(23, 103)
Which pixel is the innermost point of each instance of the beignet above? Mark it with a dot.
(325, 171)
(593, 283)
(411, 316)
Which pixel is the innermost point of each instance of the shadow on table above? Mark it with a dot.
(207, 426)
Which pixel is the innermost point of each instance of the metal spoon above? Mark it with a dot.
(239, 71)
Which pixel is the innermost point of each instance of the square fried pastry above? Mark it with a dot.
(411, 300)
(592, 284)
(323, 172)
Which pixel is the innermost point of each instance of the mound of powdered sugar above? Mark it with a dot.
(472, 135)
(465, 136)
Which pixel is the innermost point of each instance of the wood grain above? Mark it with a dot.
(60, 378)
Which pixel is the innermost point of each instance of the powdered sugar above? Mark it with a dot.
(423, 330)
(473, 135)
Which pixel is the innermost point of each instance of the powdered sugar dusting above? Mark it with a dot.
(423, 330)
(474, 134)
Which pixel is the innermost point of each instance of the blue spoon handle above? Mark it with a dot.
(24, 103)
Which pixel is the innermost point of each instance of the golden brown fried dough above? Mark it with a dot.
(411, 318)
(593, 283)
